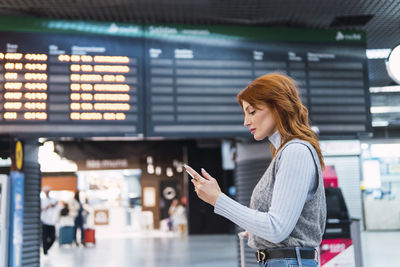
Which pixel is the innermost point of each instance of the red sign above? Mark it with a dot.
(330, 177)
(331, 248)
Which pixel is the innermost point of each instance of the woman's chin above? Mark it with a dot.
(259, 138)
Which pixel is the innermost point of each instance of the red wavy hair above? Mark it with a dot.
(279, 93)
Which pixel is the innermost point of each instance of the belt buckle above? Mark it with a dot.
(259, 254)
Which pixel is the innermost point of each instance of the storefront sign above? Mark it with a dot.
(341, 148)
(106, 164)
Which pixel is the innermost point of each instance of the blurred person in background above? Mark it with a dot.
(78, 212)
(65, 217)
(177, 215)
(49, 216)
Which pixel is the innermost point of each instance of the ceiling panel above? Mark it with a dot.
(382, 30)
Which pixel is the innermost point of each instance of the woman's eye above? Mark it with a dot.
(252, 113)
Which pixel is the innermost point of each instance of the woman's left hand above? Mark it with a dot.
(206, 187)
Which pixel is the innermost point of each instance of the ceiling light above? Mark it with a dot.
(378, 53)
(393, 64)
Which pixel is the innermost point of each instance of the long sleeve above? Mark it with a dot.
(294, 180)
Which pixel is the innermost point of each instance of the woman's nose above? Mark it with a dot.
(246, 122)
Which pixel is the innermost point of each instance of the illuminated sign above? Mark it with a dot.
(60, 88)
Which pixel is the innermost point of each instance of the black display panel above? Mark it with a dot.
(71, 85)
(192, 84)
(101, 79)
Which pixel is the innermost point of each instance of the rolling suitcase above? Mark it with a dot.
(90, 236)
(247, 254)
(242, 239)
(66, 235)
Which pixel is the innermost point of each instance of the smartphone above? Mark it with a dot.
(188, 171)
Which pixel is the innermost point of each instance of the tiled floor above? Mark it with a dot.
(380, 249)
(157, 249)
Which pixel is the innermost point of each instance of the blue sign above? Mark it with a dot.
(16, 218)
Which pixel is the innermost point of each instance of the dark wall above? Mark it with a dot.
(202, 219)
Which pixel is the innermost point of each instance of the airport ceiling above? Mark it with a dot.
(379, 18)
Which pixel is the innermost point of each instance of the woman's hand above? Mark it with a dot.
(243, 234)
(206, 187)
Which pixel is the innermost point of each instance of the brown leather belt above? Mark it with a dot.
(279, 253)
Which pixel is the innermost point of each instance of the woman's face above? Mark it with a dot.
(260, 121)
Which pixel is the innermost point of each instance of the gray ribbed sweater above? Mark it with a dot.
(288, 204)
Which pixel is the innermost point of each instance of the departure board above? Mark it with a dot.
(70, 85)
(66, 78)
(192, 82)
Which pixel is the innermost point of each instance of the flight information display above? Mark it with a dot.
(178, 81)
(192, 81)
(66, 85)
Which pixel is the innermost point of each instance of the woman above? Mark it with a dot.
(287, 213)
(78, 212)
(177, 215)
